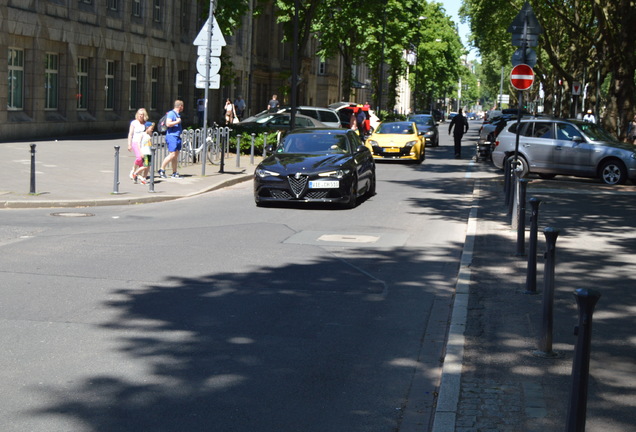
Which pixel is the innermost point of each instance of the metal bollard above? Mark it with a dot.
(521, 218)
(32, 186)
(221, 136)
(547, 322)
(264, 144)
(252, 149)
(238, 151)
(531, 276)
(204, 156)
(116, 180)
(586, 301)
(151, 184)
(507, 181)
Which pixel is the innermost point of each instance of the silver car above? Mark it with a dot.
(570, 147)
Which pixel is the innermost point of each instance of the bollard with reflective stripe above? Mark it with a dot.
(32, 186)
(531, 276)
(151, 183)
(252, 149)
(116, 179)
(265, 144)
(586, 301)
(238, 151)
(521, 218)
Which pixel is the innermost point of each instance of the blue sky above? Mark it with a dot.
(452, 9)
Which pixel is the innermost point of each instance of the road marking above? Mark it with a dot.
(348, 238)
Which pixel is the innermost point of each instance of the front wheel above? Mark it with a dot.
(613, 172)
(522, 165)
(353, 194)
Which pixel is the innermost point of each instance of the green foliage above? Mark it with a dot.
(246, 143)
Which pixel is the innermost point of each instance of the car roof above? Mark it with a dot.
(321, 130)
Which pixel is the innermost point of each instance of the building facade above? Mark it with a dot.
(85, 66)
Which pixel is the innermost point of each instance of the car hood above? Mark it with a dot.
(392, 139)
(615, 144)
(291, 163)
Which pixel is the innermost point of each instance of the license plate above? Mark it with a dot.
(324, 184)
(391, 150)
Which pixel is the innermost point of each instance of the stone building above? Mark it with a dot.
(85, 66)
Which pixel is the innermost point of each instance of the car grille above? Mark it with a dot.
(280, 194)
(298, 183)
(317, 194)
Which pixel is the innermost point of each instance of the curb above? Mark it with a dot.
(450, 383)
(22, 204)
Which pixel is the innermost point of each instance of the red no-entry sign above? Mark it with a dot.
(522, 77)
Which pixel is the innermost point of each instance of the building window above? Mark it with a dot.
(156, 10)
(181, 79)
(322, 66)
(154, 87)
(15, 101)
(113, 5)
(132, 100)
(51, 69)
(110, 85)
(82, 83)
(136, 8)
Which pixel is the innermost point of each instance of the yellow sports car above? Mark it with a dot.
(397, 140)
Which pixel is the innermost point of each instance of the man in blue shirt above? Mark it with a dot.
(173, 140)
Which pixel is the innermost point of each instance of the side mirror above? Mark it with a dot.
(578, 139)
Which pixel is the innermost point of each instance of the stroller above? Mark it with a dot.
(484, 150)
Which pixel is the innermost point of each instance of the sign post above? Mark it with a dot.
(209, 42)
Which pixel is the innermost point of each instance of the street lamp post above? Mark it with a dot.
(417, 61)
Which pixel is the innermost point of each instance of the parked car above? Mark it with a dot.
(427, 125)
(325, 116)
(397, 140)
(346, 109)
(275, 122)
(316, 165)
(570, 147)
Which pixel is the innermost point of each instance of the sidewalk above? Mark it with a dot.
(80, 173)
(504, 386)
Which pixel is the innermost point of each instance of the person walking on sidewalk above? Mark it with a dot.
(135, 131)
(173, 140)
(146, 153)
(461, 127)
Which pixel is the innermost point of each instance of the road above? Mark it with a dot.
(209, 313)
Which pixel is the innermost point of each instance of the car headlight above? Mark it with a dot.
(633, 156)
(410, 144)
(336, 174)
(428, 133)
(373, 143)
(262, 172)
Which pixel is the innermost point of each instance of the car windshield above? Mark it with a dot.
(595, 132)
(402, 128)
(317, 143)
(424, 120)
(265, 118)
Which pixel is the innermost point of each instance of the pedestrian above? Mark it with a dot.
(146, 153)
(135, 131)
(239, 105)
(230, 113)
(461, 127)
(361, 120)
(631, 131)
(173, 140)
(200, 110)
(353, 122)
(589, 117)
(273, 104)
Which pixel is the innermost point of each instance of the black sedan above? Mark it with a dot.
(426, 125)
(316, 165)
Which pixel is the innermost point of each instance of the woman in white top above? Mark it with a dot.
(135, 132)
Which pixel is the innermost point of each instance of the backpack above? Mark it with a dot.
(161, 124)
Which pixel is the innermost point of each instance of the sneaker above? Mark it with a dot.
(142, 179)
(162, 173)
(132, 174)
(135, 178)
(176, 175)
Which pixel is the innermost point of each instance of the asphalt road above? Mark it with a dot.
(209, 313)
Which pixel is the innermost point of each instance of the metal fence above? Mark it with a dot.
(193, 149)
